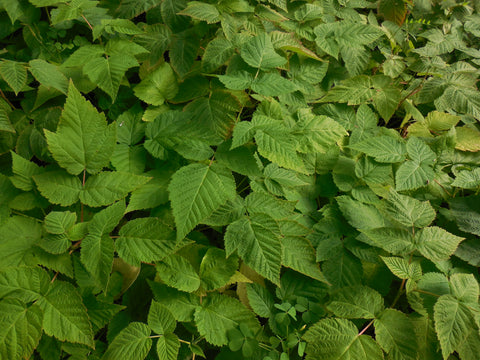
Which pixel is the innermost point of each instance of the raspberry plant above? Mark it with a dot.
(239, 179)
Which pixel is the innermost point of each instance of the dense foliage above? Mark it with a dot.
(239, 179)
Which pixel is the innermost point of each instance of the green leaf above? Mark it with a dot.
(395, 333)
(19, 235)
(299, 254)
(201, 11)
(257, 241)
(178, 272)
(59, 187)
(59, 222)
(196, 191)
(454, 322)
(217, 53)
(395, 241)
(160, 319)
(260, 300)
(337, 339)
(357, 302)
(15, 74)
(412, 175)
(220, 313)
(216, 269)
(467, 179)
(181, 304)
(402, 268)
(408, 211)
(272, 84)
(361, 216)
(183, 51)
(158, 86)
(465, 288)
(394, 11)
(107, 187)
(133, 343)
(49, 75)
(168, 347)
(436, 243)
(145, 239)
(152, 194)
(27, 284)
(83, 140)
(23, 171)
(20, 329)
(384, 149)
(259, 53)
(466, 212)
(65, 316)
(468, 139)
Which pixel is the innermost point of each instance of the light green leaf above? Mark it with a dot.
(130, 159)
(468, 139)
(15, 74)
(395, 333)
(59, 222)
(257, 241)
(384, 149)
(178, 272)
(356, 302)
(419, 152)
(181, 304)
(408, 211)
(436, 243)
(361, 216)
(107, 187)
(132, 343)
(257, 202)
(167, 347)
(260, 299)
(395, 241)
(201, 11)
(97, 256)
(353, 91)
(272, 84)
(216, 269)
(467, 179)
(19, 235)
(59, 187)
(160, 319)
(453, 322)
(152, 194)
(145, 239)
(220, 313)
(373, 172)
(337, 339)
(465, 288)
(84, 140)
(196, 191)
(412, 175)
(402, 268)
(23, 170)
(65, 316)
(158, 86)
(48, 75)
(20, 329)
(27, 284)
(259, 53)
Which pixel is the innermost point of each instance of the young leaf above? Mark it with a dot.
(196, 191)
(84, 140)
(133, 343)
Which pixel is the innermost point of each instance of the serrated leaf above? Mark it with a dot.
(27, 284)
(158, 86)
(97, 256)
(15, 74)
(453, 323)
(412, 175)
(202, 11)
(260, 299)
(23, 171)
(160, 319)
(436, 243)
(216, 269)
(259, 53)
(176, 271)
(220, 313)
(395, 241)
(384, 149)
(168, 347)
(466, 212)
(217, 53)
(465, 288)
(107, 187)
(59, 222)
(19, 235)
(48, 75)
(408, 211)
(196, 191)
(337, 339)
(59, 187)
(83, 140)
(395, 333)
(272, 84)
(20, 329)
(257, 241)
(65, 316)
(402, 268)
(133, 343)
(356, 302)
(361, 216)
(181, 304)
(183, 51)
(467, 179)
(299, 255)
(152, 194)
(145, 239)
(468, 139)
(393, 10)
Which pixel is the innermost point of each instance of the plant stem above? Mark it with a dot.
(365, 328)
